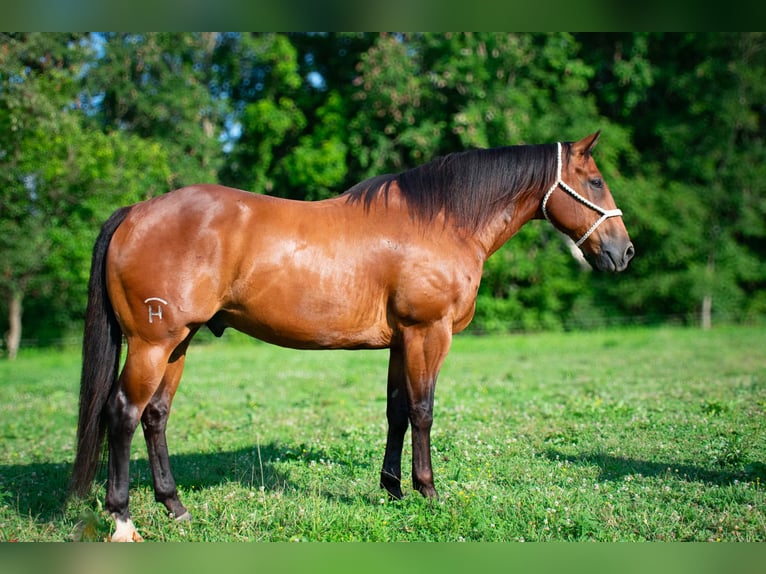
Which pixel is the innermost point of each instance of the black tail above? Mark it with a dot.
(101, 347)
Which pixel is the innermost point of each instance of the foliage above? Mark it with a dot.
(159, 87)
(699, 199)
(34, 130)
(60, 180)
(124, 116)
(661, 438)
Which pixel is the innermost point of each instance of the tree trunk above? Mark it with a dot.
(706, 316)
(13, 337)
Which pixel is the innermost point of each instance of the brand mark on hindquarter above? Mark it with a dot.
(152, 312)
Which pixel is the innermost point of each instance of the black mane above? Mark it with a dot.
(468, 186)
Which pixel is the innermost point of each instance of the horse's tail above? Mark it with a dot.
(102, 342)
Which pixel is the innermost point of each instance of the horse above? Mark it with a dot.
(392, 263)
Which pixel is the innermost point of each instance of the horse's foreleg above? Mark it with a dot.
(425, 350)
(154, 421)
(396, 414)
(421, 419)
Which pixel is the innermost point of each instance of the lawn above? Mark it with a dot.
(614, 435)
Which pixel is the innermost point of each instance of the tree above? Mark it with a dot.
(694, 105)
(425, 95)
(37, 88)
(726, 166)
(291, 114)
(162, 87)
(59, 181)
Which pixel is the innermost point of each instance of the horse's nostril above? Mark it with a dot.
(630, 252)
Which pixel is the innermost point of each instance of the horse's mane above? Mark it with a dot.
(469, 186)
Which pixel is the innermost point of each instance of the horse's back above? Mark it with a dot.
(280, 270)
(327, 274)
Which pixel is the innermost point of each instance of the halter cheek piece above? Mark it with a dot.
(605, 213)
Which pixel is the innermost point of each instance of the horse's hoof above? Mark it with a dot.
(185, 517)
(428, 491)
(125, 532)
(393, 489)
(395, 494)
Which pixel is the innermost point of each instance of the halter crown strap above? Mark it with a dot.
(605, 213)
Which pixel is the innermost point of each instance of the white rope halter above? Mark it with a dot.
(605, 213)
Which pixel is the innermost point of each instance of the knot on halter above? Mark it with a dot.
(605, 213)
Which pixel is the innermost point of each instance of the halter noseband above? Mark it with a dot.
(605, 213)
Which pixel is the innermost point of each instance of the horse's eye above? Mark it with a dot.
(597, 183)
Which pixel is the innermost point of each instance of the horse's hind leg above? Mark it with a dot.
(154, 422)
(141, 376)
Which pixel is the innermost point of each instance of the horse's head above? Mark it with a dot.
(580, 204)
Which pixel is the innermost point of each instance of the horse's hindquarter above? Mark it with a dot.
(168, 263)
(324, 274)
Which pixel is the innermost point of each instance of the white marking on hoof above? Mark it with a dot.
(185, 517)
(125, 531)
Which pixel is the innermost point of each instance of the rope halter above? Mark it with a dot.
(605, 213)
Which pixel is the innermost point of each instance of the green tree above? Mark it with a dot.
(423, 95)
(291, 107)
(58, 180)
(37, 86)
(162, 87)
(103, 172)
(694, 105)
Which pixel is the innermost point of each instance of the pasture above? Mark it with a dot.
(613, 435)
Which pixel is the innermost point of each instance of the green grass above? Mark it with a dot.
(631, 434)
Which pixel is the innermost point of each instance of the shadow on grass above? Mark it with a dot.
(39, 490)
(618, 467)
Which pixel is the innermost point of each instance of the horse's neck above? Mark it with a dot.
(507, 222)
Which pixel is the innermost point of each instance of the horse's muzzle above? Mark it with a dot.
(614, 257)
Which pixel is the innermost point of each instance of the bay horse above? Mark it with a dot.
(394, 262)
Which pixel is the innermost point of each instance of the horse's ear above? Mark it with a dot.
(585, 146)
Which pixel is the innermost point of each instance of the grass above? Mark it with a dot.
(616, 435)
